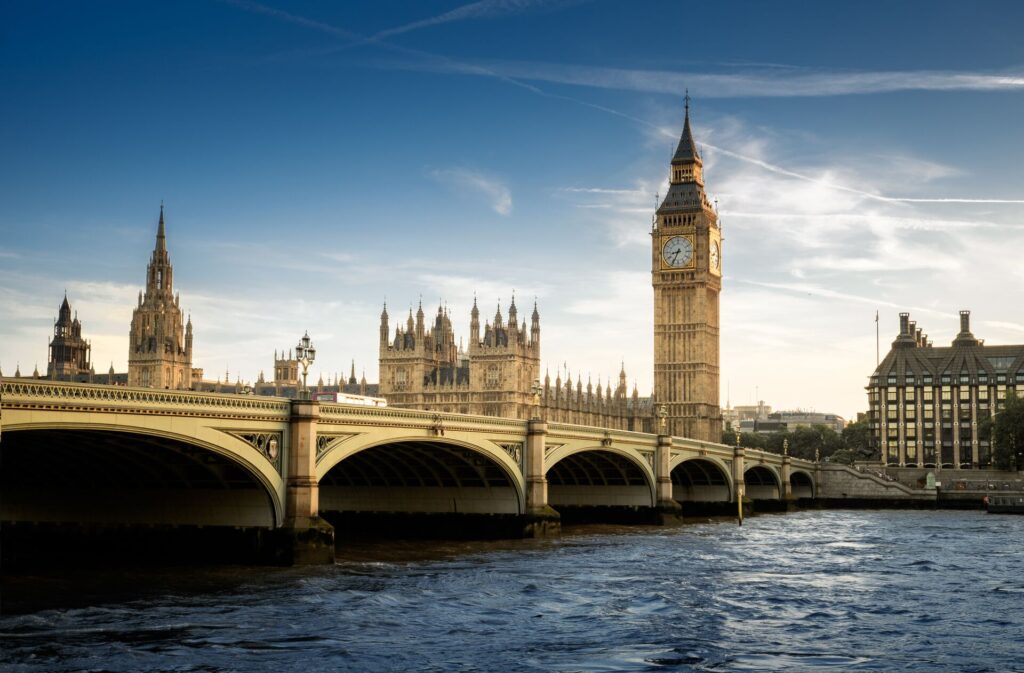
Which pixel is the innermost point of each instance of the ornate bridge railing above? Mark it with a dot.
(55, 395)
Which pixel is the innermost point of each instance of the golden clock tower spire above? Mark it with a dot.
(686, 272)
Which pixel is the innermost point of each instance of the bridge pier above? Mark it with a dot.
(666, 510)
(305, 538)
(540, 519)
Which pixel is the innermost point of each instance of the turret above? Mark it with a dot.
(420, 328)
(474, 326)
(384, 331)
(535, 327)
(513, 321)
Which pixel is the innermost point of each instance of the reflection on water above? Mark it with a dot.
(920, 591)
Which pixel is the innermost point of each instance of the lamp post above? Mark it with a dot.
(662, 416)
(785, 447)
(305, 353)
(535, 391)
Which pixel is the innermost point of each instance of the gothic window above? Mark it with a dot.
(401, 378)
(493, 378)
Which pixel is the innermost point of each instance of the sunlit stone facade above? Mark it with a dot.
(160, 342)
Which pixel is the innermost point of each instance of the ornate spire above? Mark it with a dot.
(161, 239)
(65, 309)
(686, 151)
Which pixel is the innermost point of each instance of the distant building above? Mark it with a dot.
(160, 343)
(926, 403)
(69, 358)
(421, 367)
(788, 421)
(745, 412)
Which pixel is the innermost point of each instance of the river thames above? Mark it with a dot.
(809, 591)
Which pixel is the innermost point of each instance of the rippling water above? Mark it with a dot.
(812, 591)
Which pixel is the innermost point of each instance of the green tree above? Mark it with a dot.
(753, 440)
(857, 441)
(804, 440)
(1008, 434)
(773, 442)
(856, 436)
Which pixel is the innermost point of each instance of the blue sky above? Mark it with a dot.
(316, 158)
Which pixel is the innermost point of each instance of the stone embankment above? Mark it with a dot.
(867, 487)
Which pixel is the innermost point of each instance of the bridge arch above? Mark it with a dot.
(420, 473)
(704, 479)
(802, 484)
(130, 473)
(762, 483)
(601, 475)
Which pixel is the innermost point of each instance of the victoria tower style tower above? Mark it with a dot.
(160, 342)
(686, 271)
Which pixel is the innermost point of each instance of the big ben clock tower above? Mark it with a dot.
(686, 271)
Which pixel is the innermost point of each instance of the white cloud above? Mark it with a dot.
(472, 182)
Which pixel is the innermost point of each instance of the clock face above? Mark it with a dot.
(715, 260)
(677, 251)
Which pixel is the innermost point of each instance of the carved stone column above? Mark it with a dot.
(540, 519)
(305, 538)
(668, 511)
(787, 471)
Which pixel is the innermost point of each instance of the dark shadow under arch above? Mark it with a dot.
(761, 483)
(699, 480)
(419, 476)
(125, 478)
(801, 484)
(598, 478)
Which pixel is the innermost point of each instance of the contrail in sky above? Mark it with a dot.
(489, 7)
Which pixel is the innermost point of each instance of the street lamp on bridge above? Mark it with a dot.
(305, 353)
(535, 391)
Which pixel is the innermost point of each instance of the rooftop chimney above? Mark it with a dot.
(906, 336)
(965, 337)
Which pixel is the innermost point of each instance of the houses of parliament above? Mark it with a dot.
(499, 374)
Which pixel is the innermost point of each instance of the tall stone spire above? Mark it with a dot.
(161, 238)
(160, 348)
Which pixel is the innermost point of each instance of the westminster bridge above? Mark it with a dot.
(113, 456)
